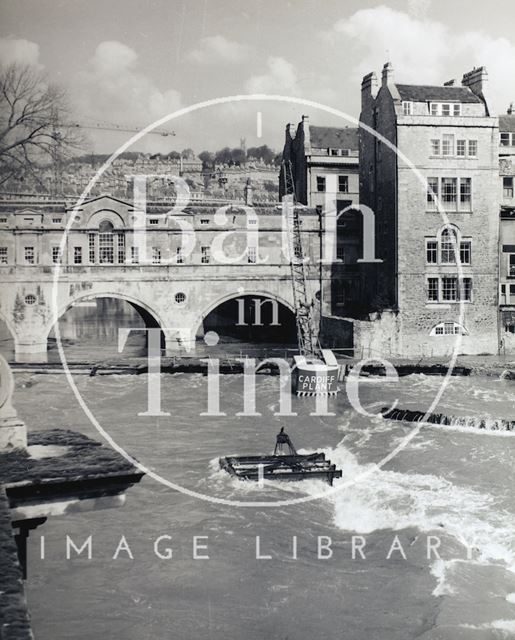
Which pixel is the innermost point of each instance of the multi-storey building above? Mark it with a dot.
(324, 167)
(316, 153)
(431, 177)
(507, 232)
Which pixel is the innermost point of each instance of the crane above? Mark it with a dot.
(108, 126)
(306, 333)
(95, 125)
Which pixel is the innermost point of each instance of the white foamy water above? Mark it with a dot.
(452, 483)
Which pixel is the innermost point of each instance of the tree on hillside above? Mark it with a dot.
(238, 156)
(208, 160)
(263, 153)
(223, 156)
(230, 156)
(35, 125)
(188, 154)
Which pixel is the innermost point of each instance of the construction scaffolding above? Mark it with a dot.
(306, 332)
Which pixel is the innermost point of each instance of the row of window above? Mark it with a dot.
(343, 184)
(443, 251)
(338, 152)
(454, 194)
(29, 255)
(449, 289)
(151, 221)
(3, 220)
(205, 255)
(106, 255)
(203, 221)
(435, 108)
(448, 146)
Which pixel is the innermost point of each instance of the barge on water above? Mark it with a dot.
(284, 464)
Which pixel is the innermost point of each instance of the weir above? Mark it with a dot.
(473, 422)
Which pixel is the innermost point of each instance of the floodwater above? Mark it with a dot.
(454, 484)
(89, 333)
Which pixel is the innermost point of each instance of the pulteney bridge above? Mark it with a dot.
(101, 257)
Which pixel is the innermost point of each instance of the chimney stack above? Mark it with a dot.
(477, 81)
(307, 134)
(368, 89)
(387, 76)
(510, 109)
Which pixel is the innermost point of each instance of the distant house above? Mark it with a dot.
(323, 163)
(315, 153)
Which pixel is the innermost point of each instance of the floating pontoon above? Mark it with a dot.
(284, 464)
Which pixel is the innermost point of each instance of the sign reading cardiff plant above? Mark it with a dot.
(316, 378)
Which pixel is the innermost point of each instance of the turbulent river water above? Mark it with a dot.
(455, 485)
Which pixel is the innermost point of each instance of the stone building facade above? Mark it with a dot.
(431, 176)
(324, 166)
(316, 153)
(507, 232)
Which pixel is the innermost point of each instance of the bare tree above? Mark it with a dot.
(35, 125)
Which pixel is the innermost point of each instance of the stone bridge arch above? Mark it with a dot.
(150, 316)
(213, 305)
(175, 300)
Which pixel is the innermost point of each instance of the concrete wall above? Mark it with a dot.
(338, 334)
(379, 337)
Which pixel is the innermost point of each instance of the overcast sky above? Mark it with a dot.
(133, 61)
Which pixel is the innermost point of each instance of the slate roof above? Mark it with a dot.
(333, 137)
(428, 93)
(88, 467)
(507, 123)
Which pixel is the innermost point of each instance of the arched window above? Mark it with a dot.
(448, 244)
(448, 329)
(106, 242)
